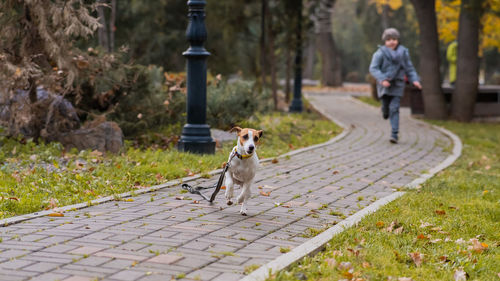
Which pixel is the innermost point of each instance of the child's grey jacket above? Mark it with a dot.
(385, 67)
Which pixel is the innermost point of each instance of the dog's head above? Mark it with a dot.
(247, 138)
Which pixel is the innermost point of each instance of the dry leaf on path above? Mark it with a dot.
(265, 193)
(56, 215)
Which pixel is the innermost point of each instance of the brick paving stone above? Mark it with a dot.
(12, 253)
(118, 263)
(165, 259)
(22, 273)
(22, 245)
(85, 250)
(15, 264)
(93, 261)
(195, 261)
(126, 275)
(41, 267)
(79, 278)
(121, 255)
(235, 260)
(202, 275)
(49, 277)
(228, 276)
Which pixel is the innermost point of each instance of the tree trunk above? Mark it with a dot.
(272, 60)
(112, 27)
(331, 64)
(310, 57)
(385, 16)
(263, 35)
(465, 93)
(103, 29)
(288, 70)
(434, 103)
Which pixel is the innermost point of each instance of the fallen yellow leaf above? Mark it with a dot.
(440, 212)
(56, 215)
(265, 193)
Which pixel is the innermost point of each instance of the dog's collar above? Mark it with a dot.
(241, 156)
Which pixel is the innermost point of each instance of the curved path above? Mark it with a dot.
(156, 237)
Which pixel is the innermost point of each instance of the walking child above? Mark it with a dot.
(389, 65)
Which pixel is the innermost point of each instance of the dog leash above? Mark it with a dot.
(217, 186)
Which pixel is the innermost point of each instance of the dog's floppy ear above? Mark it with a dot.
(260, 133)
(235, 129)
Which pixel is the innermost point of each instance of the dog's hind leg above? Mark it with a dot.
(229, 188)
(243, 198)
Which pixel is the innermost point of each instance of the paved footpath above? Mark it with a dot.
(156, 237)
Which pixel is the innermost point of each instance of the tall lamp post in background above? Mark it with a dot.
(196, 136)
(296, 105)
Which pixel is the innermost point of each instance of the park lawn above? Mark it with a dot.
(35, 177)
(446, 228)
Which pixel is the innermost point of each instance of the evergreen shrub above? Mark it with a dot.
(230, 103)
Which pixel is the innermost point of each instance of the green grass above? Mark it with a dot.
(35, 177)
(438, 220)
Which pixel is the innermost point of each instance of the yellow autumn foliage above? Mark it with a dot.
(448, 12)
(393, 4)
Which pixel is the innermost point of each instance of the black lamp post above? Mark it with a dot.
(296, 105)
(196, 136)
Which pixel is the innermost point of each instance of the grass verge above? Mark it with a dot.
(448, 229)
(35, 177)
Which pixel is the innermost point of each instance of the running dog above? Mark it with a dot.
(242, 166)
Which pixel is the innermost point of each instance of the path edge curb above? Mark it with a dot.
(318, 242)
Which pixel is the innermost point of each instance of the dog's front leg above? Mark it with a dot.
(229, 188)
(243, 198)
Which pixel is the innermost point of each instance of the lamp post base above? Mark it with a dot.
(296, 106)
(196, 138)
